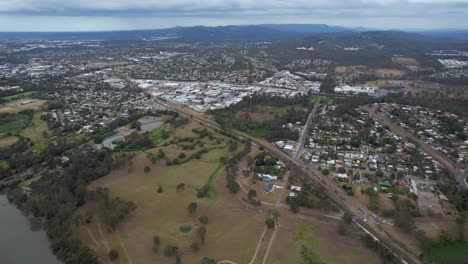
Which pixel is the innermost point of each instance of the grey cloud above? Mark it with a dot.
(131, 13)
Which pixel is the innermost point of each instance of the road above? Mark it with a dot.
(448, 163)
(336, 194)
(304, 132)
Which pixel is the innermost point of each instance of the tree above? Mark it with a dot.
(348, 218)
(326, 172)
(160, 189)
(207, 260)
(379, 173)
(461, 222)
(252, 194)
(192, 208)
(203, 219)
(182, 155)
(270, 223)
(170, 251)
(201, 232)
(180, 187)
(195, 247)
(156, 240)
(233, 186)
(113, 254)
(147, 169)
(156, 243)
(342, 228)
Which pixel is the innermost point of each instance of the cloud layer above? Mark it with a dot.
(151, 13)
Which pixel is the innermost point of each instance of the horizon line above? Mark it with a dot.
(227, 25)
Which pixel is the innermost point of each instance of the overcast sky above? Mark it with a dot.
(92, 15)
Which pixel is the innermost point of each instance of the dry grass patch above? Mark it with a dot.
(22, 104)
(405, 61)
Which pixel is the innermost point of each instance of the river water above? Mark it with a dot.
(22, 241)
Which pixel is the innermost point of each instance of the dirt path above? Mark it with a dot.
(265, 257)
(92, 237)
(123, 247)
(258, 246)
(101, 233)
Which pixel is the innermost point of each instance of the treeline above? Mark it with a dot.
(232, 167)
(55, 198)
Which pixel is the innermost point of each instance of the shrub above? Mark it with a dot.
(160, 189)
(270, 223)
(195, 247)
(113, 254)
(203, 219)
(170, 250)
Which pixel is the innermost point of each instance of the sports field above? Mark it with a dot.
(457, 253)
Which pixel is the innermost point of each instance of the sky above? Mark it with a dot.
(103, 15)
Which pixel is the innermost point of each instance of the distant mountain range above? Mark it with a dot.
(252, 33)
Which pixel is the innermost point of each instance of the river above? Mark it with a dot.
(21, 240)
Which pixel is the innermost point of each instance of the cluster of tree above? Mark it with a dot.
(404, 219)
(328, 85)
(458, 197)
(273, 129)
(252, 197)
(303, 199)
(20, 145)
(111, 211)
(136, 141)
(155, 157)
(202, 132)
(179, 121)
(173, 251)
(346, 105)
(232, 168)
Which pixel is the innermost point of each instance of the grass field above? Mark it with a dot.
(21, 104)
(20, 95)
(230, 226)
(13, 123)
(321, 241)
(3, 164)
(457, 253)
(36, 130)
(356, 70)
(23, 125)
(405, 61)
(7, 141)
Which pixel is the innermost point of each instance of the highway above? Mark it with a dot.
(336, 194)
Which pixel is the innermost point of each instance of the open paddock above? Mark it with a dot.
(22, 104)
